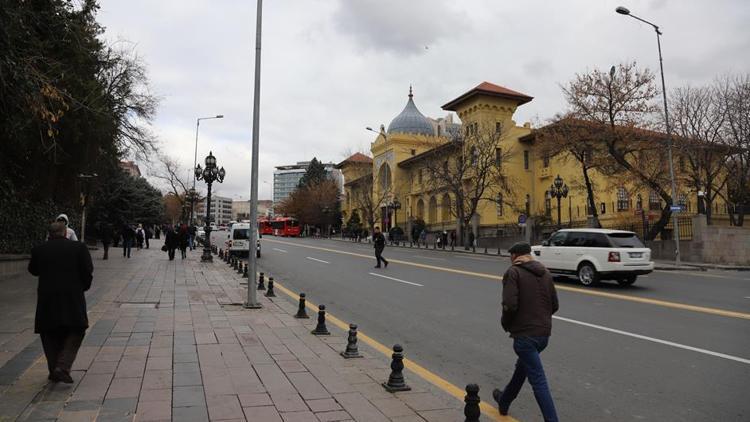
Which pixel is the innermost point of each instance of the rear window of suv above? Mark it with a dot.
(240, 234)
(625, 240)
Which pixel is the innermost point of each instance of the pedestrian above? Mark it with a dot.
(157, 232)
(128, 236)
(106, 233)
(379, 241)
(445, 238)
(192, 230)
(65, 271)
(183, 237)
(70, 234)
(139, 236)
(453, 238)
(149, 234)
(171, 242)
(471, 241)
(529, 300)
(438, 239)
(423, 237)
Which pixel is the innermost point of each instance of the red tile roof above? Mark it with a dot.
(487, 88)
(357, 158)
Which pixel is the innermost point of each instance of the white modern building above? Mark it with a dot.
(287, 177)
(221, 210)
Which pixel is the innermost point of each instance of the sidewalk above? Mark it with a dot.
(169, 341)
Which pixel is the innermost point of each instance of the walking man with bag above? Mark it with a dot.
(379, 241)
(529, 300)
(65, 271)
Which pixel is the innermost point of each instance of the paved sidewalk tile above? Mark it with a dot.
(182, 350)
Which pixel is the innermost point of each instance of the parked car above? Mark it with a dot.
(238, 240)
(595, 254)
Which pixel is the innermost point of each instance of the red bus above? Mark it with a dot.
(264, 226)
(285, 226)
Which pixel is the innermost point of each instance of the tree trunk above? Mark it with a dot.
(590, 196)
(666, 213)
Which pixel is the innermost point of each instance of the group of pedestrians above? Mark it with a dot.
(178, 237)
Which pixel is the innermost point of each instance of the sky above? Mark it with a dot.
(330, 68)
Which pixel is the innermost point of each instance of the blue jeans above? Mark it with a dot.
(529, 365)
(126, 245)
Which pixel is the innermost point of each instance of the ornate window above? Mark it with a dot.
(433, 210)
(654, 201)
(639, 202)
(547, 204)
(500, 205)
(420, 208)
(384, 176)
(623, 199)
(445, 208)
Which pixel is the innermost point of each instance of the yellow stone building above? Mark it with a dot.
(390, 189)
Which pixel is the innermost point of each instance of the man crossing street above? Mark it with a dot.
(379, 241)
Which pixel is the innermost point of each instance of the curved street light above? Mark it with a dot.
(210, 174)
(195, 157)
(558, 190)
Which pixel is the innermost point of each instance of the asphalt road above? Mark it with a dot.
(673, 347)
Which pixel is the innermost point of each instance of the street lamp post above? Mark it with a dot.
(210, 174)
(558, 190)
(395, 206)
(195, 158)
(624, 11)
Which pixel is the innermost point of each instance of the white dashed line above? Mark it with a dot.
(280, 250)
(316, 259)
(656, 340)
(396, 279)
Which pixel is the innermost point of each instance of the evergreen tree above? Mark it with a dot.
(314, 175)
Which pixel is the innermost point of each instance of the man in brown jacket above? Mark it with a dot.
(529, 300)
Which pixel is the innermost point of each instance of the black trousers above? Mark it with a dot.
(106, 250)
(379, 256)
(61, 347)
(170, 251)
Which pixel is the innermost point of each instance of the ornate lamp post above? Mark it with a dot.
(210, 174)
(558, 190)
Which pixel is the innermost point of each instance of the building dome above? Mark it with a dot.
(410, 120)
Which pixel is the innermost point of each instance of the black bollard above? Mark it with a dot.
(221, 253)
(239, 267)
(301, 312)
(352, 351)
(396, 379)
(471, 409)
(244, 272)
(270, 292)
(321, 329)
(261, 282)
(452, 248)
(485, 250)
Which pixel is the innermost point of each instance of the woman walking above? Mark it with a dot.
(183, 236)
(170, 241)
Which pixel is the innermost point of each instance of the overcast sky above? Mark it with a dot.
(332, 67)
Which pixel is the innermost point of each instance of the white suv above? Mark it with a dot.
(595, 254)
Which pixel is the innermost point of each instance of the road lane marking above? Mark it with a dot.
(316, 259)
(429, 257)
(422, 372)
(396, 279)
(280, 250)
(586, 291)
(655, 340)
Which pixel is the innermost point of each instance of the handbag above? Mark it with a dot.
(164, 248)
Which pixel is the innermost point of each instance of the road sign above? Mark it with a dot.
(675, 208)
(522, 219)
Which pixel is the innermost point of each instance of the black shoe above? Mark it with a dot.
(60, 375)
(496, 394)
(377, 266)
(386, 264)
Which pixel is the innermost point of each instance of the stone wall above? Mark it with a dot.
(710, 244)
(11, 265)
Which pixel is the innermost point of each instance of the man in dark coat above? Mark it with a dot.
(65, 271)
(128, 237)
(379, 241)
(529, 300)
(171, 241)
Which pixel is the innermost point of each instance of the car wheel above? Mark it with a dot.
(587, 274)
(627, 281)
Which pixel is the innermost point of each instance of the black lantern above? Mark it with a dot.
(558, 190)
(210, 174)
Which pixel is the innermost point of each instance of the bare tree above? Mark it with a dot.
(178, 180)
(620, 105)
(469, 168)
(698, 118)
(734, 94)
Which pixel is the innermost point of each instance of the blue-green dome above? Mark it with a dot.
(410, 120)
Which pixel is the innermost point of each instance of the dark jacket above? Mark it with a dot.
(106, 233)
(65, 271)
(183, 236)
(379, 240)
(529, 299)
(127, 233)
(171, 239)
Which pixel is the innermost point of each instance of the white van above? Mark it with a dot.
(238, 242)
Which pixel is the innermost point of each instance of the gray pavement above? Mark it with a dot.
(170, 341)
(673, 347)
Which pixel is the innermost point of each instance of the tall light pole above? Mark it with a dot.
(252, 267)
(210, 174)
(676, 229)
(558, 190)
(195, 158)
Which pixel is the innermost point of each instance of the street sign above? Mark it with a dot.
(675, 208)
(522, 219)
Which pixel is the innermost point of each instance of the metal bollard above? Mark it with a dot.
(301, 312)
(221, 253)
(239, 267)
(396, 379)
(244, 272)
(471, 409)
(321, 329)
(352, 351)
(261, 282)
(270, 292)
(485, 250)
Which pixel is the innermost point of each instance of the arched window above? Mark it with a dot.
(623, 199)
(445, 208)
(654, 201)
(639, 202)
(384, 177)
(420, 209)
(433, 210)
